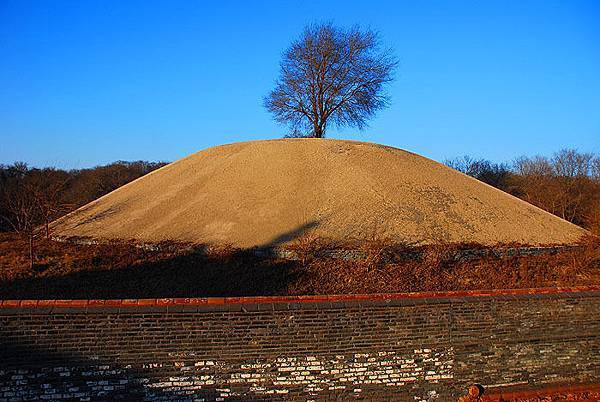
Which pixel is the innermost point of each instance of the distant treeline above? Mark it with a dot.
(566, 184)
(30, 197)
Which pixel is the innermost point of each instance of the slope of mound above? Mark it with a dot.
(267, 193)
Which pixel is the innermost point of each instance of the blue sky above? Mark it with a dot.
(89, 82)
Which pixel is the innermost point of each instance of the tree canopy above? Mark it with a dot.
(331, 76)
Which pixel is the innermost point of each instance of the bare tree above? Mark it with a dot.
(534, 166)
(595, 169)
(22, 211)
(48, 186)
(563, 184)
(330, 75)
(566, 184)
(494, 174)
(571, 163)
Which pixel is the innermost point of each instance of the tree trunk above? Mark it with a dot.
(318, 131)
(31, 250)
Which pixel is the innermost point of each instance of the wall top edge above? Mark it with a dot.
(375, 297)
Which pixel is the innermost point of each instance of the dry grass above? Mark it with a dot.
(122, 270)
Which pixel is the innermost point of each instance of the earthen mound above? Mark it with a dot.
(268, 193)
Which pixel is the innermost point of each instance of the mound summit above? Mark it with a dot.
(267, 193)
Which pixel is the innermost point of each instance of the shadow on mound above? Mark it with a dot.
(291, 235)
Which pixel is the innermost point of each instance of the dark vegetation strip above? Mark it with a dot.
(318, 248)
(120, 270)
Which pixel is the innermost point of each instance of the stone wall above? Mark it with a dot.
(426, 346)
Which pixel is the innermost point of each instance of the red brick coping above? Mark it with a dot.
(446, 296)
(510, 393)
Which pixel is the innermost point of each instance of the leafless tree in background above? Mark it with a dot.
(571, 163)
(566, 184)
(562, 184)
(48, 186)
(60, 191)
(564, 163)
(533, 166)
(22, 211)
(331, 75)
(494, 174)
(31, 198)
(596, 168)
